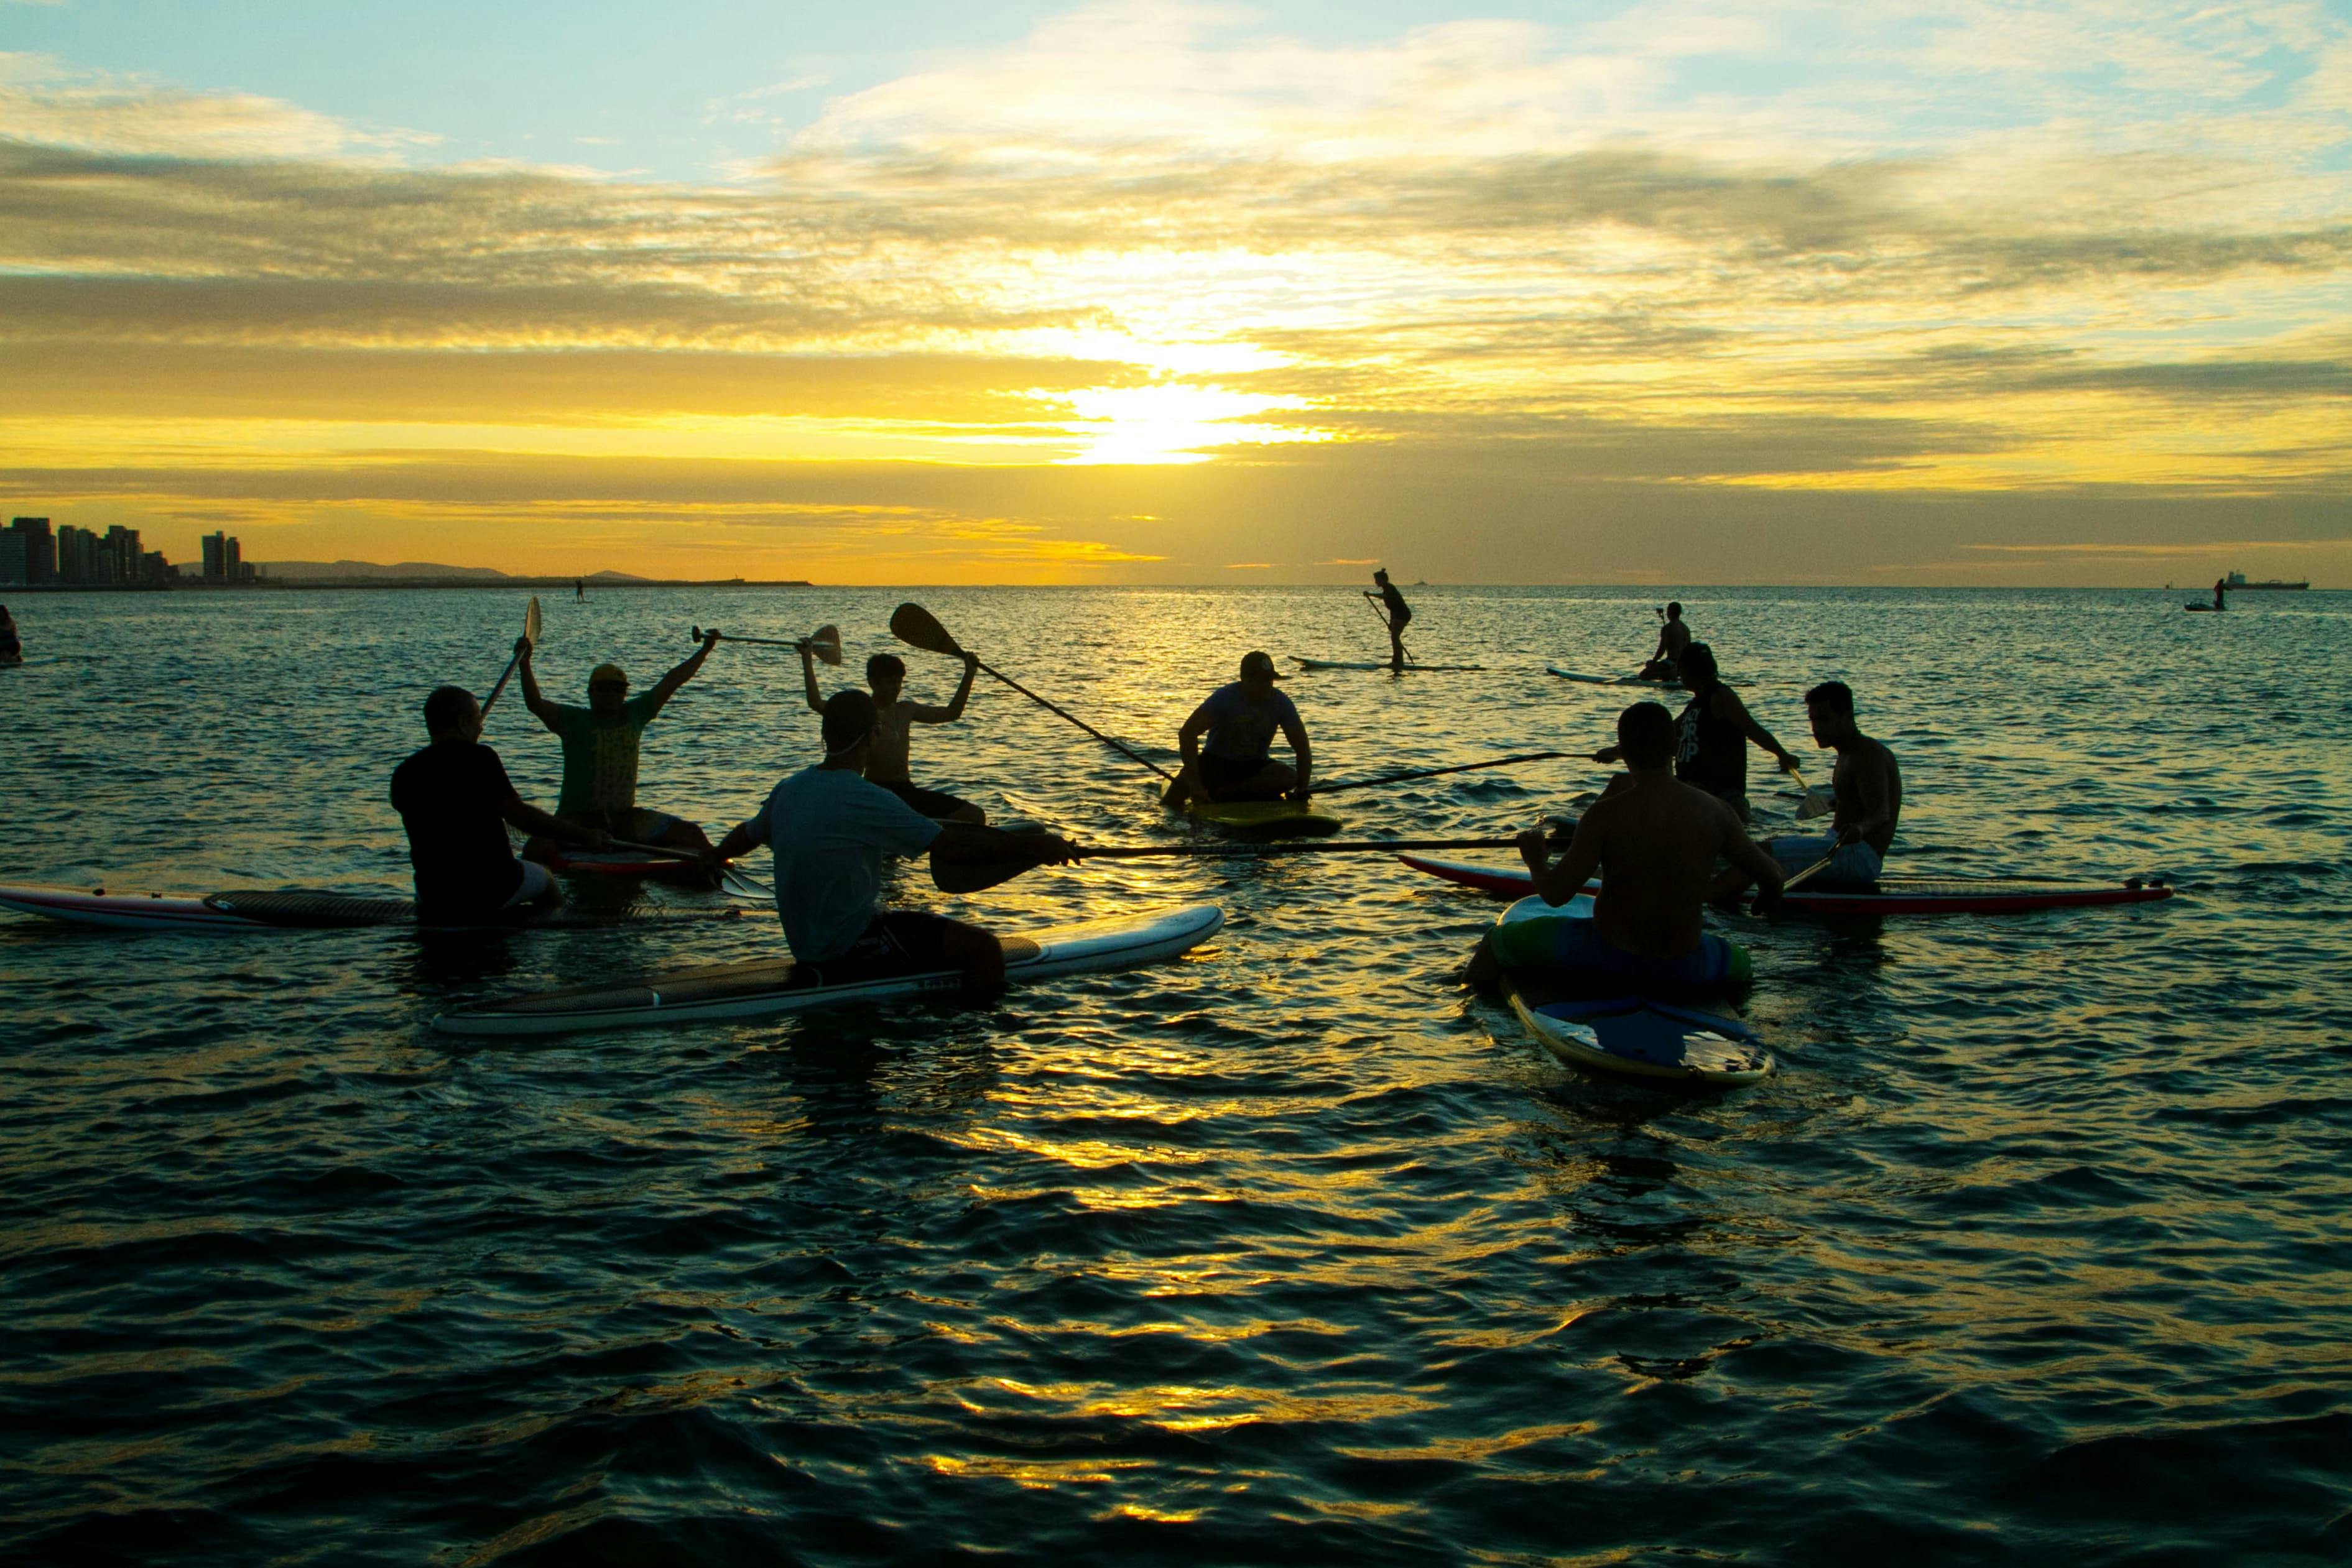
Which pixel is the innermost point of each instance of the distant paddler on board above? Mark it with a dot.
(830, 831)
(1228, 743)
(890, 764)
(1655, 841)
(600, 753)
(456, 801)
(1393, 611)
(1666, 662)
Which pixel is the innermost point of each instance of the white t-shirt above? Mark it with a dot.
(830, 830)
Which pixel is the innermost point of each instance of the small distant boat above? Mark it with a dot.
(2237, 580)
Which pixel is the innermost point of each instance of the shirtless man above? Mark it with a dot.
(1666, 660)
(889, 765)
(1229, 740)
(1869, 790)
(1654, 840)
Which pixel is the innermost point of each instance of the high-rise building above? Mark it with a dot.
(77, 556)
(216, 557)
(233, 562)
(154, 572)
(121, 551)
(12, 559)
(40, 551)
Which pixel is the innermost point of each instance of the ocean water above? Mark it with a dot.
(2036, 1248)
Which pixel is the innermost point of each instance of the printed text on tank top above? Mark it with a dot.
(1711, 751)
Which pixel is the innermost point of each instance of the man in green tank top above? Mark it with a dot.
(600, 750)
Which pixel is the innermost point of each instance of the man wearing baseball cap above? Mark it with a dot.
(1228, 741)
(599, 752)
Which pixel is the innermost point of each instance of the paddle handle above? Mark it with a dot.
(1119, 747)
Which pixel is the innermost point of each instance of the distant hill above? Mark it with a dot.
(616, 577)
(362, 568)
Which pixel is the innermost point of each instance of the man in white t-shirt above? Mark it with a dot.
(830, 830)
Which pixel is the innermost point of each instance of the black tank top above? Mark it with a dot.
(1711, 751)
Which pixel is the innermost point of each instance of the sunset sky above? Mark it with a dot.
(1715, 291)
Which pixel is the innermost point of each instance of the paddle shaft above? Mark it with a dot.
(512, 665)
(763, 642)
(1435, 772)
(1119, 747)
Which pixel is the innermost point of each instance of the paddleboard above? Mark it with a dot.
(32, 663)
(1889, 895)
(1613, 680)
(622, 863)
(1377, 664)
(776, 987)
(2203, 609)
(1264, 819)
(299, 909)
(1651, 1040)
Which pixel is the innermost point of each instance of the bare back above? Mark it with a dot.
(1868, 785)
(1657, 839)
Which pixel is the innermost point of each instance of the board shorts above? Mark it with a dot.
(937, 804)
(1224, 773)
(535, 885)
(1856, 865)
(1571, 942)
(898, 941)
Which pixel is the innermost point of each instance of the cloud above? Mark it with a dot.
(1700, 246)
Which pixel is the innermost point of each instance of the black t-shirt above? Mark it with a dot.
(450, 796)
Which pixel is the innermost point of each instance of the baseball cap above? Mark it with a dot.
(1259, 666)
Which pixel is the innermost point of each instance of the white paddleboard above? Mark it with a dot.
(1643, 1039)
(773, 988)
(1613, 680)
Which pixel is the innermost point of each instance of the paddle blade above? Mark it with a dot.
(531, 621)
(914, 624)
(1816, 803)
(825, 643)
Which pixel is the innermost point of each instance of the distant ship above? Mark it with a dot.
(2236, 582)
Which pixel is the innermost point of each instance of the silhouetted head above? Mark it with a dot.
(608, 688)
(1697, 666)
(1674, 610)
(1646, 734)
(1380, 576)
(1258, 669)
(451, 714)
(848, 725)
(1830, 706)
(886, 674)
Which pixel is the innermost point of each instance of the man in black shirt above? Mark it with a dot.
(454, 799)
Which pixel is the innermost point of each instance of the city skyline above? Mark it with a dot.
(1740, 293)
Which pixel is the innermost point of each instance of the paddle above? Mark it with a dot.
(1816, 802)
(1434, 772)
(669, 853)
(970, 876)
(530, 635)
(824, 641)
(914, 626)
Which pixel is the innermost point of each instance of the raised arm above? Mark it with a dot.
(808, 678)
(931, 712)
(668, 684)
(1750, 729)
(1567, 879)
(543, 710)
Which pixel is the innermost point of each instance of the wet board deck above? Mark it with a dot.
(775, 988)
(1648, 1039)
(1888, 896)
(1380, 664)
(305, 909)
(1264, 819)
(1613, 680)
